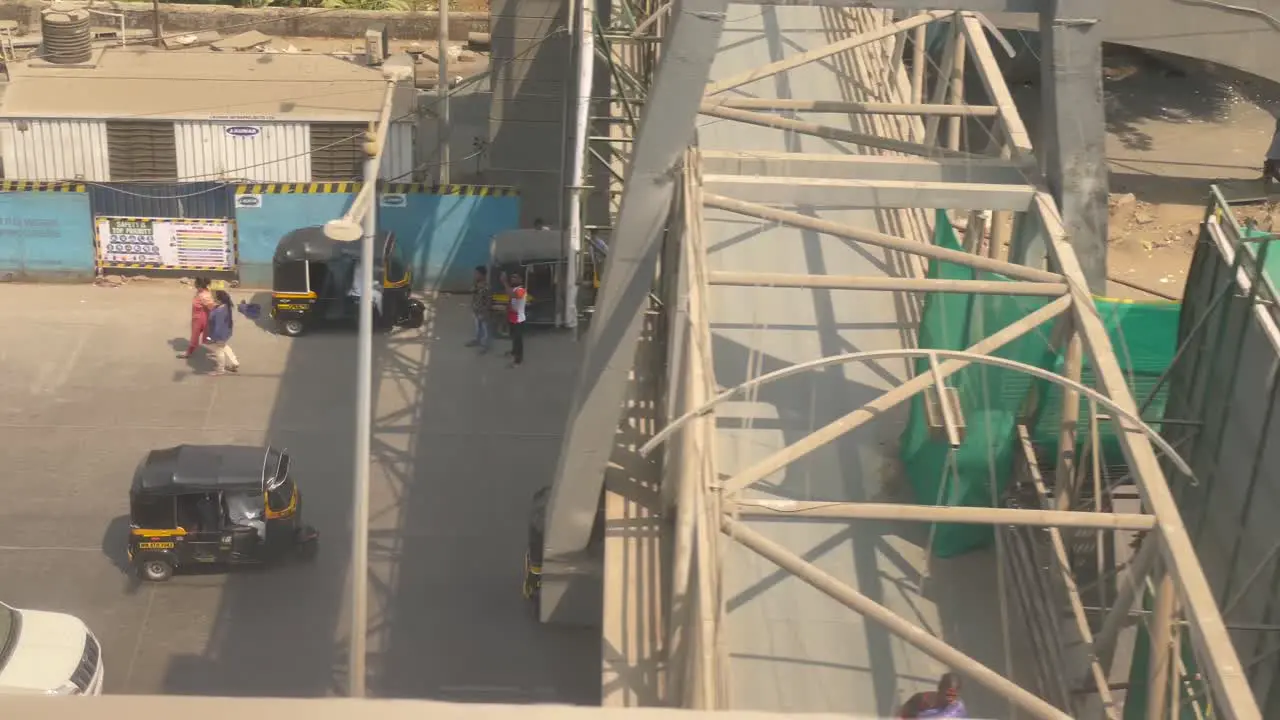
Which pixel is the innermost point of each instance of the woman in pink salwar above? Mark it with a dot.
(201, 303)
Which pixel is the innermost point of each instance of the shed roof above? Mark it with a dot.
(146, 83)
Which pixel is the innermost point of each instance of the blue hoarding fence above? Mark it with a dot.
(46, 231)
(445, 231)
(442, 231)
(266, 212)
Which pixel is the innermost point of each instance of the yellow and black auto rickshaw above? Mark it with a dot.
(315, 281)
(538, 256)
(215, 505)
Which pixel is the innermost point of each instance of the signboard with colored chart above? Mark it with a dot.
(164, 244)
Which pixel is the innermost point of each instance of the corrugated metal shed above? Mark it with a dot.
(257, 152)
(146, 83)
(397, 158)
(163, 200)
(61, 149)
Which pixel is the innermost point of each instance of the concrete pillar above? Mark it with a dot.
(1073, 135)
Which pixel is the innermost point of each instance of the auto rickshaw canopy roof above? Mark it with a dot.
(208, 468)
(310, 243)
(525, 246)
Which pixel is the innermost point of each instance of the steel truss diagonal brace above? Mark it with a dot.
(825, 51)
(871, 237)
(889, 400)
(893, 284)
(1233, 695)
(846, 511)
(891, 621)
(830, 133)
(609, 354)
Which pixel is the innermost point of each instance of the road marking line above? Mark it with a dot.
(142, 633)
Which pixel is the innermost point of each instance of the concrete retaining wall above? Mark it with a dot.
(293, 22)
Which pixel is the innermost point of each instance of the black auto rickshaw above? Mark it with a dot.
(215, 505)
(315, 281)
(538, 256)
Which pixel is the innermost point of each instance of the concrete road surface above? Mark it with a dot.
(89, 383)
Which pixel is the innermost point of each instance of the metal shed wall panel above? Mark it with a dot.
(55, 150)
(397, 160)
(256, 152)
(204, 200)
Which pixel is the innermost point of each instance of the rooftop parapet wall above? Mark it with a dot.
(466, 16)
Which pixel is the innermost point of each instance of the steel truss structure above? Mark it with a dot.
(919, 162)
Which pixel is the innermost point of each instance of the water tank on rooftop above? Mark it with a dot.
(66, 35)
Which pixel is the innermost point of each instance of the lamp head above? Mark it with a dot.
(343, 230)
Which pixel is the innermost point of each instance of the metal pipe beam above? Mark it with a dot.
(957, 361)
(879, 239)
(609, 354)
(1163, 651)
(893, 284)
(844, 511)
(1010, 125)
(982, 6)
(829, 133)
(826, 51)
(891, 621)
(1209, 634)
(1104, 643)
(838, 107)
(984, 171)
(871, 193)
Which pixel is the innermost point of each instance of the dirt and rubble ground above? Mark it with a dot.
(1171, 133)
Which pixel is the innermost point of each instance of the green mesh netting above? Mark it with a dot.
(992, 399)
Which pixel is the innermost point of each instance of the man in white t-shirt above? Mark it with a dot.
(515, 314)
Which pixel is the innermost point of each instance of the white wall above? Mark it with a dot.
(254, 151)
(54, 150)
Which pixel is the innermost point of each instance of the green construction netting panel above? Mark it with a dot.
(992, 398)
(989, 397)
(1145, 338)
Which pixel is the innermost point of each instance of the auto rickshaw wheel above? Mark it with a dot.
(291, 327)
(156, 570)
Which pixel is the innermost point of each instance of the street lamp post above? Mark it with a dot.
(360, 223)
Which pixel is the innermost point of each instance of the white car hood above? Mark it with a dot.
(48, 650)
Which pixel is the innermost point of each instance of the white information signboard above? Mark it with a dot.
(165, 244)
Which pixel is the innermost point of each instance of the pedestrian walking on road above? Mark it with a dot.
(221, 324)
(481, 304)
(1271, 163)
(515, 315)
(201, 304)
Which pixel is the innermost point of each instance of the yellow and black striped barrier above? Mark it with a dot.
(38, 186)
(466, 190)
(387, 188)
(298, 188)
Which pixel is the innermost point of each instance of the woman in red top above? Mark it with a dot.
(201, 304)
